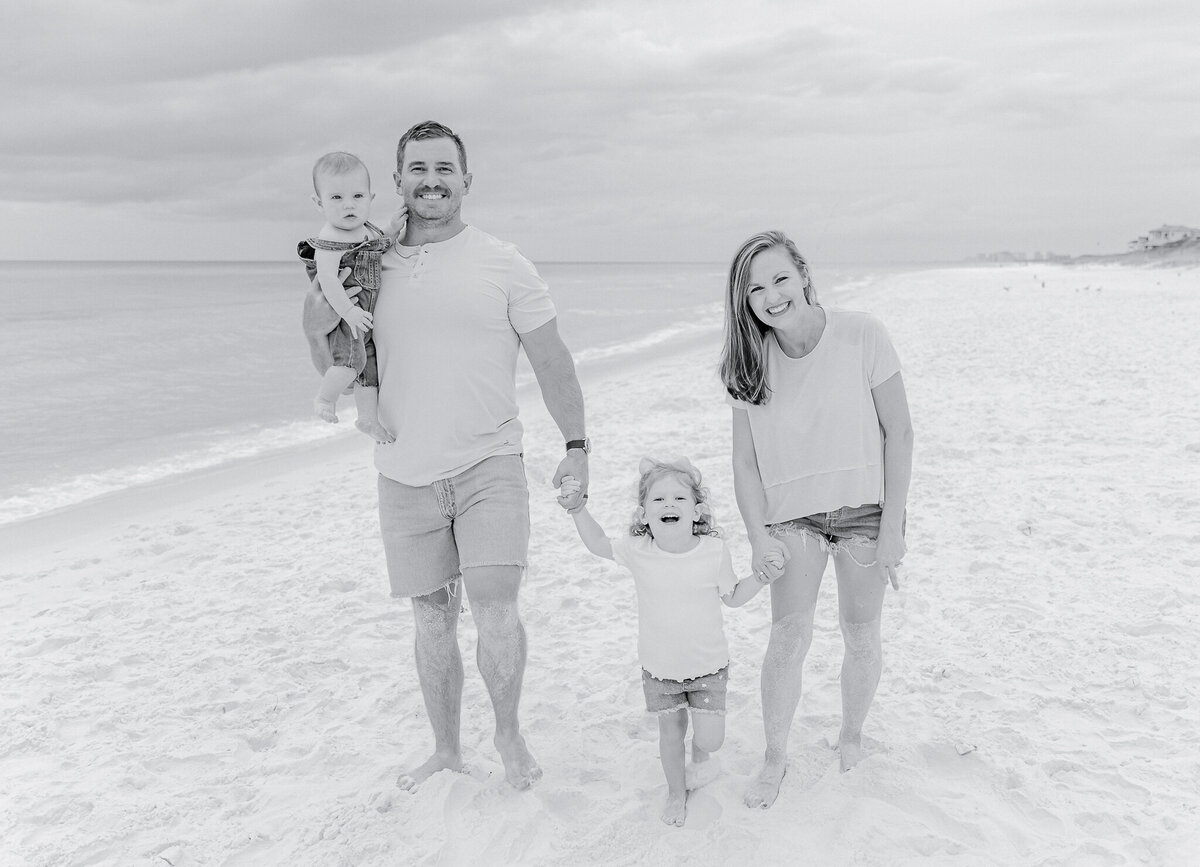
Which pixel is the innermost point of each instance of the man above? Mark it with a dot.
(455, 307)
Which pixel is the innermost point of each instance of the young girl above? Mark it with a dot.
(822, 454)
(337, 325)
(682, 572)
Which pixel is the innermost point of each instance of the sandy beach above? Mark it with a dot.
(211, 671)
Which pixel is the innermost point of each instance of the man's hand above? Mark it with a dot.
(574, 467)
(358, 320)
(568, 492)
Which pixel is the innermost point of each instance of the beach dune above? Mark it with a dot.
(211, 672)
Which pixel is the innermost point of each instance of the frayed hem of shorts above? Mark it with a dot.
(518, 563)
(677, 709)
(686, 679)
(842, 546)
(451, 588)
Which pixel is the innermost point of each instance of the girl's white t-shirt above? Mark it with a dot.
(681, 632)
(817, 438)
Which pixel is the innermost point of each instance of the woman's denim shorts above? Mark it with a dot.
(479, 517)
(837, 531)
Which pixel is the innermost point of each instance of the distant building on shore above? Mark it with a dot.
(1162, 236)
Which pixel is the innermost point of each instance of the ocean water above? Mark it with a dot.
(122, 373)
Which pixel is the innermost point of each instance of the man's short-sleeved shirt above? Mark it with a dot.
(447, 326)
(681, 631)
(817, 438)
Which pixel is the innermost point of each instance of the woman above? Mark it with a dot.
(822, 455)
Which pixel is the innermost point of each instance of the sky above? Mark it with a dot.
(627, 130)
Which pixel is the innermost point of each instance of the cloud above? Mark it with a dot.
(634, 129)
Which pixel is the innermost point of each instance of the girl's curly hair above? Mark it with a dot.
(651, 471)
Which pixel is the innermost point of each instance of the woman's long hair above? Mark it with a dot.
(744, 356)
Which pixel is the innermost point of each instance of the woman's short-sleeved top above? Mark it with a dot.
(817, 438)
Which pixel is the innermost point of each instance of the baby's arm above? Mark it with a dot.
(592, 534)
(398, 222)
(328, 263)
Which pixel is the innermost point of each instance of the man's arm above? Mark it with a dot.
(555, 371)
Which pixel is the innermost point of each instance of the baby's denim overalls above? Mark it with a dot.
(329, 339)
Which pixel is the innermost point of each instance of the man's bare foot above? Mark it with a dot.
(699, 774)
(675, 812)
(325, 410)
(520, 767)
(374, 430)
(409, 780)
(763, 791)
(849, 752)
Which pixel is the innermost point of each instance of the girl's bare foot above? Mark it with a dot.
(409, 780)
(675, 811)
(763, 791)
(520, 767)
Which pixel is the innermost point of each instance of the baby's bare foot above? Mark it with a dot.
(325, 410)
(409, 780)
(675, 812)
(520, 767)
(374, 430)
(763, 791)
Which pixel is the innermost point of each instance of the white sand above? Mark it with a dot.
(213, 673)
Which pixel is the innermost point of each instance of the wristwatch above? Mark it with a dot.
(585, 444)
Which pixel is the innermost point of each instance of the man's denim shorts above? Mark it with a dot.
(478, 518)
(704, 694)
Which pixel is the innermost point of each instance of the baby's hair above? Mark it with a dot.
(336, 163)
(653, 470)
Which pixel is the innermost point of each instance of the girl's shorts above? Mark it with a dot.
(704, 694)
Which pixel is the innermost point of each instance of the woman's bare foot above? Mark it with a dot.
(849, 752)
(374, 430)
(409, 780)
(675, 812)
(520, 767)
(699, 774)
(763, 791)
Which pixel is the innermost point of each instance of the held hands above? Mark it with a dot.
(358, 320)
(770, 558)
(571, 495)
(773, 562)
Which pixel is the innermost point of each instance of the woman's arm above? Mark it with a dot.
(891, 405)
(752, 501)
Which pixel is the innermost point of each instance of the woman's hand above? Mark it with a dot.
(769, 556)
(889, 553)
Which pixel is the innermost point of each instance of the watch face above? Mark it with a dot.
(585, 444)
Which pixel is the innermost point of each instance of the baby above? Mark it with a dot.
(337, 316)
